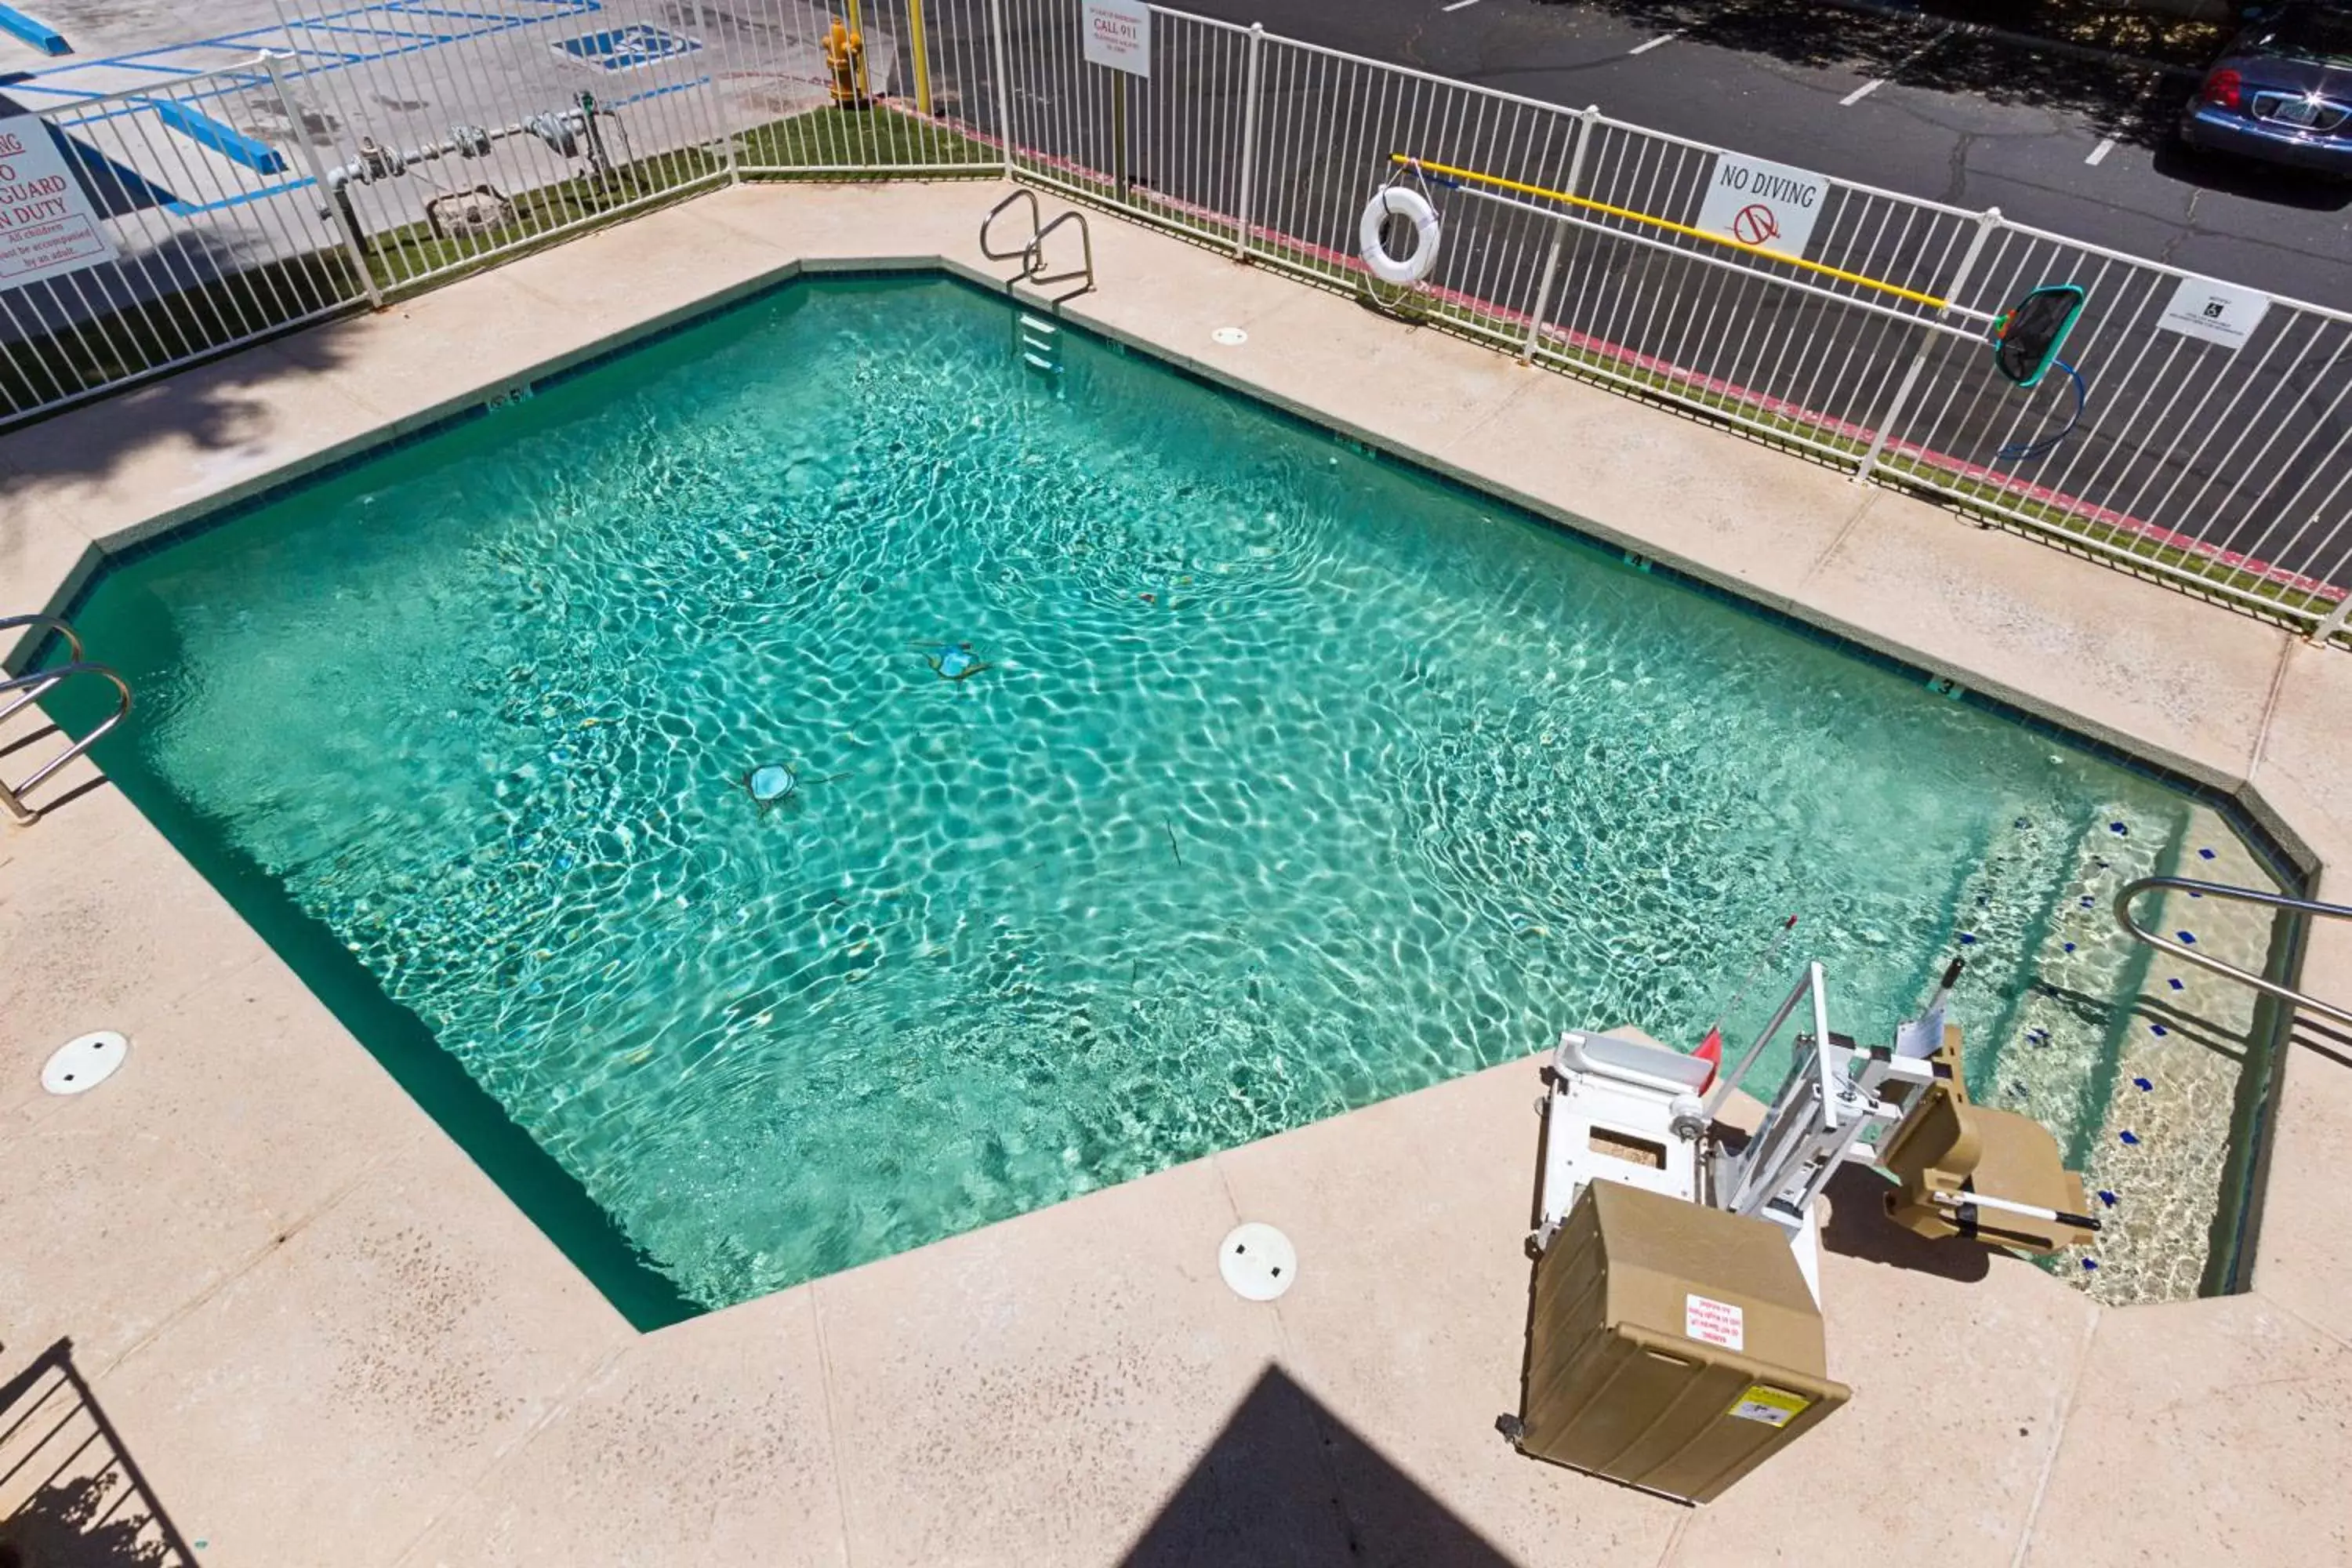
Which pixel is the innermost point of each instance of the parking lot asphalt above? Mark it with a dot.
(2079, 145)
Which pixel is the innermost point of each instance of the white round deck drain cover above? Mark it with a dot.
(85, 1063)
(1257, 1261)
(1232, 337)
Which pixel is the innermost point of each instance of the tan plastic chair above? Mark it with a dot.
(1961, 1151)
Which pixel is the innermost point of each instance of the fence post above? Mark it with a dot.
(1249, 145)
(1586, 119)
(2327, 630)
(1004, 94)
(1986, 223)
(718, 101)
(336, 213)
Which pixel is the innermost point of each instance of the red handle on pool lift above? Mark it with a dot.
(1710, 1050)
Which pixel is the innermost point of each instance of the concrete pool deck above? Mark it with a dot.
(322, 1335)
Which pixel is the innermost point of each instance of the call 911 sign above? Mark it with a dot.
(1118, 34)
(46, 226)
(1769, 205)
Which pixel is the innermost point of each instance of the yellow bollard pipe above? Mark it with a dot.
(1671, 226)
(922, 60)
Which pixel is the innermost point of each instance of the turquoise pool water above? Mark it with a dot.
(1282, 778)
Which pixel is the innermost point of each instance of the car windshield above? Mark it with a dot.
(2311, 32)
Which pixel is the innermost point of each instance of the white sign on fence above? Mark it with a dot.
(1118, 34)
(2219, 313)
(1760, 204)
(47, 222)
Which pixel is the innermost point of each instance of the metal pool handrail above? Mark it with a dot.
(32, 686)
(2243, 895)
(56, 623)
(1032, 255)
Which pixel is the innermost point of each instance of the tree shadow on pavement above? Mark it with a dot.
(2128, 99)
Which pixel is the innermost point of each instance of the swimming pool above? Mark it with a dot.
(1165, 773)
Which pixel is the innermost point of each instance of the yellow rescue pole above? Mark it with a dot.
(1587, 204)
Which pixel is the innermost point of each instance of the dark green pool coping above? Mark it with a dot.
(557, 1203)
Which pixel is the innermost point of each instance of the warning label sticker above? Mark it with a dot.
(1713, 1322)
(1773, 1407)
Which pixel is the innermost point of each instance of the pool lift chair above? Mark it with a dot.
(1632, 1110)
(1675, 1337)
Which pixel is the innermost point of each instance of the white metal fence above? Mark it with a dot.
(2227, 470)
(212, 249)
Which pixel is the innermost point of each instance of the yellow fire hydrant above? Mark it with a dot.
(845, 57)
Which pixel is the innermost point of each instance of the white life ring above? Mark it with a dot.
(1406, 203)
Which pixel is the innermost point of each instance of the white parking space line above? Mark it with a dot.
(1866, 89)
(2106, 145)
(1654, 43)
(1458, 5)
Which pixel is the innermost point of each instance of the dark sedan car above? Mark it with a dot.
(2282, 91)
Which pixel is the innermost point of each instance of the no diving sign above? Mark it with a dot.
(1769, 205)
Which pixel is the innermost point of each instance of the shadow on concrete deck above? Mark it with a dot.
(1287, 1482)
(70, 1495)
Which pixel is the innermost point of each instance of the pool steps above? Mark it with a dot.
(1040, 342)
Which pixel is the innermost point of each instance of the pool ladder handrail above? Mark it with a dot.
(32, 687)
(1032, 254)
(2187, 953)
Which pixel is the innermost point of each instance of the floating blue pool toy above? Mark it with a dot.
(954, 661)
(770, 784)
